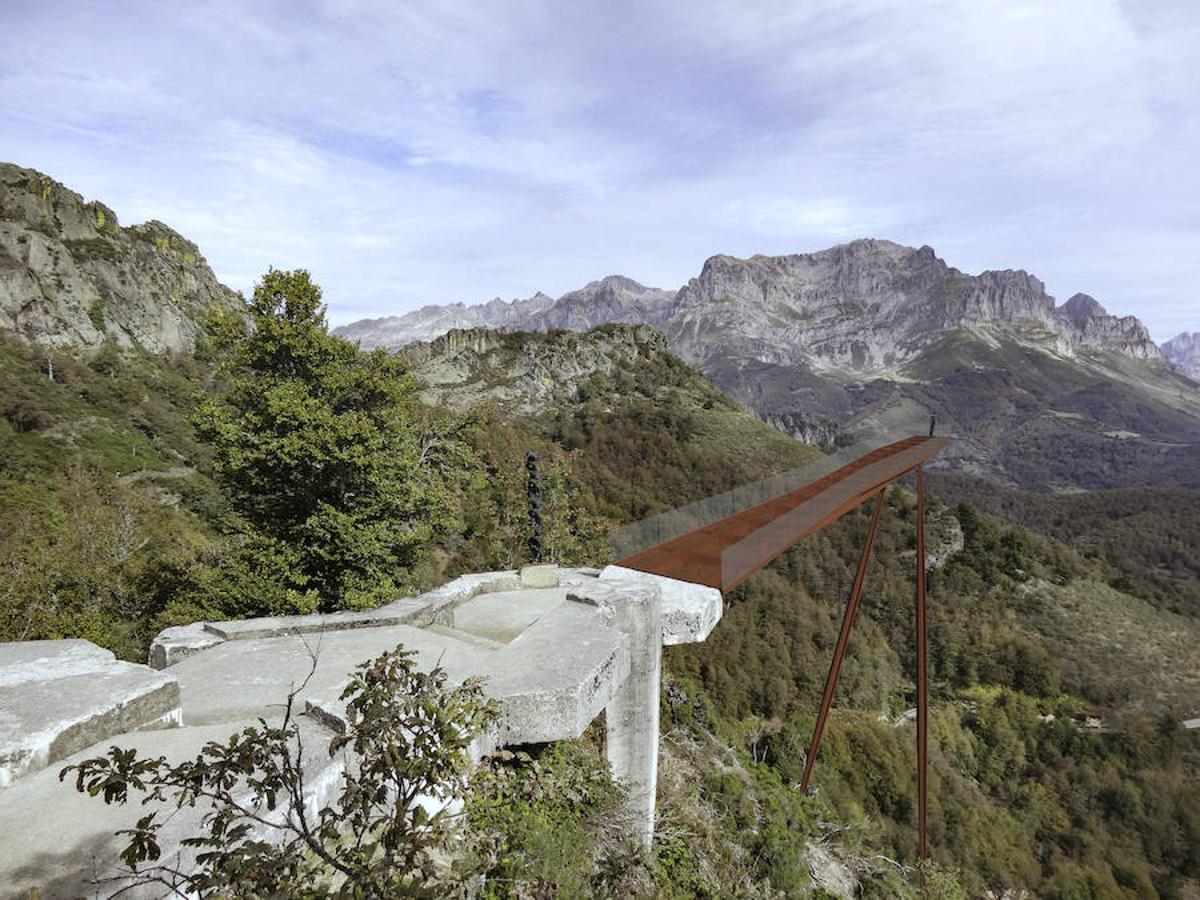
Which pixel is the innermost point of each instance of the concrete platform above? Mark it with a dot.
(247, 678)
(63, 696)
(554, 647)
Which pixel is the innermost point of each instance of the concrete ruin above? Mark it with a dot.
(555, 646)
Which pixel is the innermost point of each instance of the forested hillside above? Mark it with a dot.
(277, 468)
(116, 526)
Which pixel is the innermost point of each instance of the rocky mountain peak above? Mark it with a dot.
(1088, 325)
(1083, 306)
(71, 275)
(869, 305)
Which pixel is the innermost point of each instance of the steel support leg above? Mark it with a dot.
(922, 675)
(843, 638)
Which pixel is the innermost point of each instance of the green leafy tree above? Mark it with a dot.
(340, 474)
(406, 743)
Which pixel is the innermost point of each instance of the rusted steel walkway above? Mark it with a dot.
(725, 553)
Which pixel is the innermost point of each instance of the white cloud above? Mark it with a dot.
(425, 152)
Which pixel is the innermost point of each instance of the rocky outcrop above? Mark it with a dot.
(526, 373)
(819, 431)
(71, 275)
(1183, 353)
(1085, 323)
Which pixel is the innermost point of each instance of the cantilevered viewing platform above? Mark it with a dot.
(724, 554)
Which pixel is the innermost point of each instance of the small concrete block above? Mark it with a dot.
(173, 644)
(543, 575)
(689, 611)
(64, 696)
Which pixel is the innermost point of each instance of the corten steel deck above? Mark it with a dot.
(725, 553)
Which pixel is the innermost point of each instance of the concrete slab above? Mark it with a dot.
(556, 676)
(246, 678)
(503, 615)
(66, 839)
(62, 696)
(689, 611)
(434, 607)
(551, 680)
(25, 661)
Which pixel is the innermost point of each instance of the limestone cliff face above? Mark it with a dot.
(1183, 353)
(870, 306)
(71, 275)
(1085, 323)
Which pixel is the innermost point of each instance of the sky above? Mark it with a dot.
(426, 152)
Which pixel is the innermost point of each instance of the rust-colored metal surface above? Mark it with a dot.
(725, 553)
(839, 652)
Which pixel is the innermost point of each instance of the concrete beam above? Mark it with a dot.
(689, 611)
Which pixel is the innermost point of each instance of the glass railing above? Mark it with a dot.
(638, 536)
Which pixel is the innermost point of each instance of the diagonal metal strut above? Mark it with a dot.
(839, 652)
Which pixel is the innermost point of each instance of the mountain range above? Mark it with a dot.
(116, 523)
(872, 337)
(858, 342)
